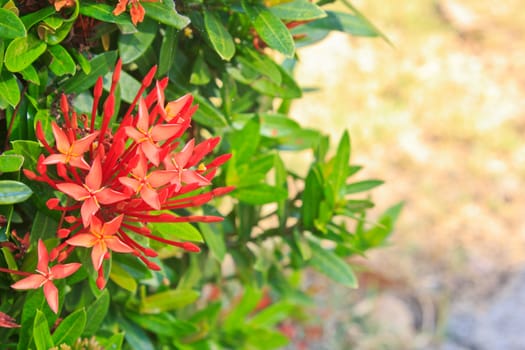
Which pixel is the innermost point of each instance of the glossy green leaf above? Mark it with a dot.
(167, 51)
(312, 196)
(41, 335)
(82, 61)
(214, 240)
(9, 91)
(277, 125)
(70, 328)
(340, 167)
(21, 52)
(135, 336)
(96, 313)
(260, 194)
(299, 140)
(33, 18)
(30, 150)
(112, 343)
(244, 142)
(44, 227)
(12, 192)
(129, 86)
(362, 186)
(271, 29)
(163, 324)
(132, 46)
(200, 74)
(10, 162)
(183, 231)
(103, 12)
(61, 61)
(220, 38)
(101, 64)
(30, 74)
(167, 301)
(10, 25)
(331, 265)
(164, 13)
(55, 36)
(123, 278)
(272, 315)
(340, 21)
(298, 10)
(246, 305)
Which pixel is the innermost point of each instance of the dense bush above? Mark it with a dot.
(144, 201)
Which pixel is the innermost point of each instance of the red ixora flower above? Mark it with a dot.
(136, 10)
(45, 276)
(119, 182)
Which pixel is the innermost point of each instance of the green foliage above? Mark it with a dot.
(276, 222)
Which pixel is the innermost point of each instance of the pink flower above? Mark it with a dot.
(7, 321)
(45, 275)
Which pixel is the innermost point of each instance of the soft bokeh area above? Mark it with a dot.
(439, 115)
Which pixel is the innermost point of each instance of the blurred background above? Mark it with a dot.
(439, 116)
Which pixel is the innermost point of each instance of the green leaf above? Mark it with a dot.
(277, 125)
(312, 196)
(200, 74)
(163, 324)
(9, 91)
(71, 328)
(167, 51)
(96, 313)
(247, 304)
(167, 301)
(340, 167)
(133, 46)
(41, 335)
(82, 61)
(114, 342)
(244, 142)
(260, 194)
(123, 278)
(166, 14)
(10, 163)
(44, 227)
(103, 12)
(101, 64)
(30, 150)
(340, 21)
(271, 29)
(299, 139)
(215, 240)
(33, 18)
(12, 192)
(135, 336)
(331, 265)
(362, 186)
(61, 63)
(129, 86)
(30, 74)
(176, 230)
(297, 10)
(272, 315)
(10, 25)
(220, 38)
(21, 52)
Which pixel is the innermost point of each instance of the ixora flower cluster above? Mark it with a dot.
(112, 183)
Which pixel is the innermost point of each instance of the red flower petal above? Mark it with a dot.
(83, 240)
(116, 245)
(51, 294)
(64, 270)
(78, 192)
(33, 281)
(43, 257)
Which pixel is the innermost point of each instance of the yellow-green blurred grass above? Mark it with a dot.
(440, 116)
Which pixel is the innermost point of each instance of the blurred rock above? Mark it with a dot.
(497, 325)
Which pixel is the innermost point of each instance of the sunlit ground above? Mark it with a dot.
(440, 117)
